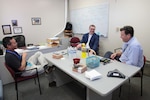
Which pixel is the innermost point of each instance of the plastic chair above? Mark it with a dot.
(74, 41)
(16, 76)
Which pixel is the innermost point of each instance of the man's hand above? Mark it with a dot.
(78, 46)
(113, 56)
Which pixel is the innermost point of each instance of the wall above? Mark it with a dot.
(122, 12)
(52, 13)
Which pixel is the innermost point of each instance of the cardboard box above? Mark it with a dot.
(57, 56)
(80, 68)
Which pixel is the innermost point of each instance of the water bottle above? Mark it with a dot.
(74, 52)
(83, 51)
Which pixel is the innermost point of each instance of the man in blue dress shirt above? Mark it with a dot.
(132, 52)
(91, 40)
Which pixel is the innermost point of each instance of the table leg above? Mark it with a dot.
(61, 77)
(91, 95)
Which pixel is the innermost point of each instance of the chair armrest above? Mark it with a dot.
(18, 73)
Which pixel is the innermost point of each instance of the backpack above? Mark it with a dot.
(68, 26)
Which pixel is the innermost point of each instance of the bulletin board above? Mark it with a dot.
(97, 15)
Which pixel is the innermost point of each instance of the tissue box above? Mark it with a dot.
(80, 68)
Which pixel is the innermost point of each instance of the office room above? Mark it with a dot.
(52, 17)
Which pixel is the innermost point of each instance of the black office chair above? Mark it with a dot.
(20, 39)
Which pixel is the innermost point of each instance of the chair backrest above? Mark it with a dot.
(74, 41)
(144, 58)
(20, 39)
(117, 50)
(11, 71)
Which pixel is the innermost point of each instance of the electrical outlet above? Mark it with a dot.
(117, 29)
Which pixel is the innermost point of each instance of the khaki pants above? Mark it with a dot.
(35, 61)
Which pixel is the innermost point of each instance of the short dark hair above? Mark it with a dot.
(92, 25)
(128, 30)
(6, 41)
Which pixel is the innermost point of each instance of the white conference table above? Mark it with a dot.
(98, 89)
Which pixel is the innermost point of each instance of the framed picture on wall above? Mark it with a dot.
(36, 21)
(17, 30)
(14, 22)
(6, 29)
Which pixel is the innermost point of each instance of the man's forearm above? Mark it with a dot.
(23, 65)
(23, 62)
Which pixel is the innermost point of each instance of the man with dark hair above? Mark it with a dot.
(18, 62)
(91, 40)
(132, 52)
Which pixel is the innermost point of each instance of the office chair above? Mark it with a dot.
(74, 41)
(16, 76)
(20, 39)
(140, 75)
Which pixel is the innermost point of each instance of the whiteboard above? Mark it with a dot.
(97, 15)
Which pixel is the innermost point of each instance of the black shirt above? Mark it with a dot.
(13, 60)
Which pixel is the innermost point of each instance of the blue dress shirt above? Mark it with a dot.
(132, 53)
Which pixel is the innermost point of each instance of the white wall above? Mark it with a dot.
(122, 12)
(52, 13)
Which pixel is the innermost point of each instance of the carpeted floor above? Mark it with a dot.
(75, 91)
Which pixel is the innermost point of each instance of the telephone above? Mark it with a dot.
(115, 73)
(105, 60)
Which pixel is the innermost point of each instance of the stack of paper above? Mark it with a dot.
(92, 75)
(32, 47)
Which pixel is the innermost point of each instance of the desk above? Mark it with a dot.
(102, 88)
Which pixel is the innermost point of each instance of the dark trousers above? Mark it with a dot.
(108, 55)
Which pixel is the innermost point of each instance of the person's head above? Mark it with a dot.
(9, 43)
(127, 32)
(92, 29)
